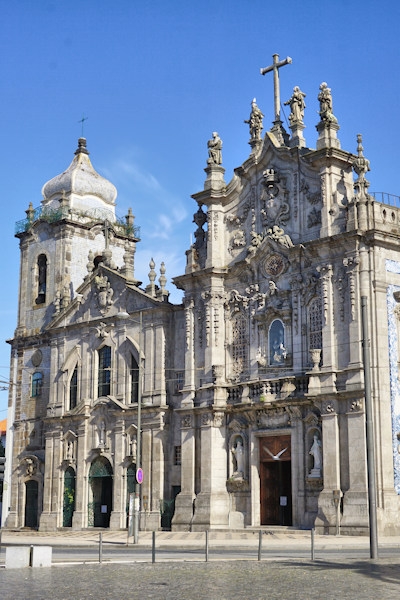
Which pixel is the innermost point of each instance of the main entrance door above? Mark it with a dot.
(276, 485)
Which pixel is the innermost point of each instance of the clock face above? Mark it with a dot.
(274, 265)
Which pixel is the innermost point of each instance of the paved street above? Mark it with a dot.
(358, 580)
(342, 567)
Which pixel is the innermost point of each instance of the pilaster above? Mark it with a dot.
(212, 503)
(184, 500)
(327, 513)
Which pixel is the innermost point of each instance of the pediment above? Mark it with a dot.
(102, 295)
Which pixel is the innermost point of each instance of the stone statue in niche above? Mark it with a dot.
(238, 459)
(102, 435)
(69, 455)
(214, 150)
(132, 446)
(316, 453)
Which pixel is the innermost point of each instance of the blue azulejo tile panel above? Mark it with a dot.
(393, 266)
(392, 308)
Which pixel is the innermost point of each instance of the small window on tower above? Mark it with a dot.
(37, 383)
(41, 278)
(178, 455)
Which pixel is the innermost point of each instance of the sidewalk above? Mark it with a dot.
(243, 538)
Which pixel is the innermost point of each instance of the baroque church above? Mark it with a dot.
(244, 406)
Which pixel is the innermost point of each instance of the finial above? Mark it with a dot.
(81, 146)
(361, 165)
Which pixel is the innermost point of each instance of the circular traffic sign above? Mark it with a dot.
(139, 475)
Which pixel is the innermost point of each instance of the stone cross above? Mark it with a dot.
(82, 121)
(277, 64)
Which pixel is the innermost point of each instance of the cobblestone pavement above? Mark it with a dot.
(245, 580)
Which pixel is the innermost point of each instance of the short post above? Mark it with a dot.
(153, 547)
(100, 547)
(312, 544)
(206, 545)
(259, 544)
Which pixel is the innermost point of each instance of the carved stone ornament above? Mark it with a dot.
(37, 357)
(275, 265)
(104, 293)
(273, 419)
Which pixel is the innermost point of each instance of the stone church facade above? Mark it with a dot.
(251, 391)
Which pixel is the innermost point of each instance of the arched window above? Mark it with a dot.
(315, 324)
(276, 343)
(42, 278)
(104, 381)
(134, 381)
(239, 345)
(37, 383)
(73, 389)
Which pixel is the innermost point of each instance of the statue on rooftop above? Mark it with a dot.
(325, 104)
(297, 106)
(255, 121)
(214, 150)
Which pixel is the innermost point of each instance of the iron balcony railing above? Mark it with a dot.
(96, 215)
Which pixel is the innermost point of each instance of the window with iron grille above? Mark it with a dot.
(315, 324)
(239, 345)
(178, 455)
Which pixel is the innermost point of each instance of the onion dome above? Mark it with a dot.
(85, 188)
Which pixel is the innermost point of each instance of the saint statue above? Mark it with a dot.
(297, 106)
(325, 104)
(255, 121)
(238, 456)
(315, 452)
(214, 150)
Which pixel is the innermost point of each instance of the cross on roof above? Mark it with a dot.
(82, 121)
(277, 64)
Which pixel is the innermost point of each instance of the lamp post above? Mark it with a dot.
(139, 474)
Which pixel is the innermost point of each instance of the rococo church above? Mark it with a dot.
(244, 406)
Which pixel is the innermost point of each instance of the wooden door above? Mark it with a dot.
(275, 481)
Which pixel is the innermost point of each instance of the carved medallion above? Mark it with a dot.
(274, 265)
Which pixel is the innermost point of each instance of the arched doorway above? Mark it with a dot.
(31, 503)
(69, 497)
(100, 493)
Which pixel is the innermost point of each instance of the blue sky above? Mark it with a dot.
(155, 79)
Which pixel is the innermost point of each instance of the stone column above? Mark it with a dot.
(355, 501)
(149, 487)
(326, 518)
(80, 516)
(118, 514)
(52, 507)
(184, 501)
(212, 503)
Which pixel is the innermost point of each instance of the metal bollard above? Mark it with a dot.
(259, 544)
(312, 544)
(100, 547)
(206, 545)
(153, 548)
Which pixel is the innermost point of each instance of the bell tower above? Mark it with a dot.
(66, 237)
